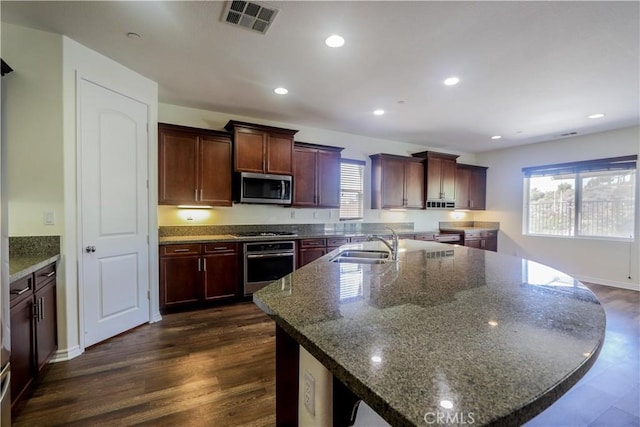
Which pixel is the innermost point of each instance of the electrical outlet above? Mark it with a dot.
(310, 393)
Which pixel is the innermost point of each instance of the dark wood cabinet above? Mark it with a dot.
(396, 182)
(471, 187)
(34, 336)
(194, 274)
(220, 268)
(316, 175)
(440, 179)
(310, 250)
(194, 166)
(482, 239)
(261, 149)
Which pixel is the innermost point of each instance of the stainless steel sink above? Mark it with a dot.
(362, 257)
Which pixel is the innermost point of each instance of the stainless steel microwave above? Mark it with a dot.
(265, 188)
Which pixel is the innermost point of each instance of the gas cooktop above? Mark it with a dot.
(265, 233)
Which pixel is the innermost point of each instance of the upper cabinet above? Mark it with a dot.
(261, 149)
(194, 166)
(440, 171)
(471, 187)
(316, 175)
(396, 182)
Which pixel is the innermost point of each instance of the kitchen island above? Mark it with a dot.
(445, 332)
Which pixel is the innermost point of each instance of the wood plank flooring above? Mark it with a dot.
(216, 367)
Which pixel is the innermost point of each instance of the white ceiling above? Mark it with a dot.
(529, 71)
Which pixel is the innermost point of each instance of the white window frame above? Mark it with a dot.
(350, 171)
(578, 171)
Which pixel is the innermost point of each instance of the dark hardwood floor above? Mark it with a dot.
(215, 367)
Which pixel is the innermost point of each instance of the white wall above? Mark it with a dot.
(594, 260)
(33, 128)
(81, 61)
(356, 147)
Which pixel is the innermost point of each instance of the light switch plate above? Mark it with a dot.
(309, 393)
(49, 217)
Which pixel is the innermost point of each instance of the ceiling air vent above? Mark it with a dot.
(249, 15)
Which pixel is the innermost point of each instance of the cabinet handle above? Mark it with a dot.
(48, 275)
(181, 250)
(199, 267)
(41, 310)
(201, 194)
(220, 248)
(196, 195)
(21, 291)
(204, 264)
(36, 309)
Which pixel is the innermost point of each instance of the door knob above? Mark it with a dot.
(90, 249)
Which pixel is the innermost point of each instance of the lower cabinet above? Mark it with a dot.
(34, 337)
(194, 274)
(310, 250)
(487, 240)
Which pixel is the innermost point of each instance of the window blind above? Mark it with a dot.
(351, 189)
(598, 165)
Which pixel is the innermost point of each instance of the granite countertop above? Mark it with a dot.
(171, 240)
(498, 337)
(22, 266)
(465, 229)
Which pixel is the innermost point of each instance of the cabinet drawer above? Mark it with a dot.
(212, 248)
(45, 275)
(171, 250)
(358, 239)
(489, 234)
(426, 237)
(337, 241)
(21, 289)
(313, 243)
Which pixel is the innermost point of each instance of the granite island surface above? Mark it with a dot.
(443, 331)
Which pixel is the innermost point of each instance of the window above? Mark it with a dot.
(594, 198)
(351, 189)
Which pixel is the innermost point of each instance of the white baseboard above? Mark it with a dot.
(65, 354)
(629, 286)
(155, 317)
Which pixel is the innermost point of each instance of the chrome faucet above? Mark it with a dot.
(393, 246)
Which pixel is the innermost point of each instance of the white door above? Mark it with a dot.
(114, 212)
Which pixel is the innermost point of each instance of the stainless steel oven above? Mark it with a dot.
(265, 262)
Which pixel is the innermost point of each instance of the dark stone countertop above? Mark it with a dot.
(23, 265)
(498, 337)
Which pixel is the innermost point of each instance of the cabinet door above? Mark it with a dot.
(304, 177)
(249, 151)
(22, 347)
(328, 177)
(448, 179)
(279, 153)
(215, 171)
(414, 185)
(473, 243)
(490, 244)
(177, 175)
(308, 255)
(434, 178)
(478, 189)
(180, 281)
(220, 276)
(463, 176)
(392, 183)
(46, 325)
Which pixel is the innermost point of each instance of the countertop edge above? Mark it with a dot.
(33, 268)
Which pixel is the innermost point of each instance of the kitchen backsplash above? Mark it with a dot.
(34, 245)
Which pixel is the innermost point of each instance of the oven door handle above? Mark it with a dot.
(281, 254)
(282, 192)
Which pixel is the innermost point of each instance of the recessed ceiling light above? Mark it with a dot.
(496, 137)
(446, 404)
(378, 112)
(452, 81)
(376, 359)
(133, 35)
(596, 116)
(281, 91)
(334, 41)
